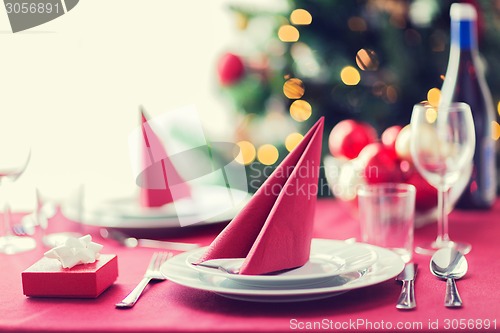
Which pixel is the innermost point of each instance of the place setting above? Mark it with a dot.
(267, 254)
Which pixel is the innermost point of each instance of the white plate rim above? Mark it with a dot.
(394, 265)
(316, 248)
(284, 299)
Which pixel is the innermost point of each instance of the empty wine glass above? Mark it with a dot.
(15, 156)
(442, 147)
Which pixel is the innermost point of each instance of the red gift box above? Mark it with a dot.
(47, 278)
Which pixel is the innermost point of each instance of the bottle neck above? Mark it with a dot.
(464, 35)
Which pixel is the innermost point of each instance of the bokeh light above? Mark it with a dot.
(350, 76)
(405, 166)
(300, 110)
(496, 130)
(305, 60)
(431, 115)
(367, 60)
(498, 108)
(356, 23)
(293, 88)
(391, 94)
(293, 140)
(301, 17)
(241, 21)
(288, 33)
(267, 154)
(433, 96)
(247, 153)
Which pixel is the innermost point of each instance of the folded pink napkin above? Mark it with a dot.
(274, 230)
(159, 174)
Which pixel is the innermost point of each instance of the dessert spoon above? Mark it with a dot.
(449, 264)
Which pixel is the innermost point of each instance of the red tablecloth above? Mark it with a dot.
(167, 307)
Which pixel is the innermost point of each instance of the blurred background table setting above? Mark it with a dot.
(318, 166)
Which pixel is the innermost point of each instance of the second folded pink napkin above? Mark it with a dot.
(159, 174)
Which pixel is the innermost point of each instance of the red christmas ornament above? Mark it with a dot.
(380, 166)
(230, 69)
(426, 196)
(349, 137)
(388, 138)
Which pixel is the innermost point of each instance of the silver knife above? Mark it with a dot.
(406, 299)
(127, 241)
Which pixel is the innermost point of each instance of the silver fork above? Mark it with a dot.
(152, 273)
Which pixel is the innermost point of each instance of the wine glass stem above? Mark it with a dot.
(443, 236)
(5, 210)
(7, 222)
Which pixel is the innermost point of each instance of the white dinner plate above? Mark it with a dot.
(208, 205)
(326, 260)
(387, 266)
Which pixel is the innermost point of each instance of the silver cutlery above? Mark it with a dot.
(226, 265)
(449, 264)
(152, 273)
(406, 299)
(132, 242)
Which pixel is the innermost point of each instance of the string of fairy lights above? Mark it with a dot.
(293, 89)
(301, 110)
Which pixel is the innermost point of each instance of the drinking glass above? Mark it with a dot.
(56, 208)
(442, 147)
(386, 216)
(14, 158)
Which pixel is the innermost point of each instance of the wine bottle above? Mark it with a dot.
(465, 82)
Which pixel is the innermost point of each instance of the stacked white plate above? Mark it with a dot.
(334, 267)
(208, 205)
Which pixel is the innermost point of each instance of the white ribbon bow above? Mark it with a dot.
(75, 251)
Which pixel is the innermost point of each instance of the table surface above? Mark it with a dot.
(167, 307)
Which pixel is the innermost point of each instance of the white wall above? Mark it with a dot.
(75, 84)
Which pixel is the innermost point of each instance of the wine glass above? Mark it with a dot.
(14, 158)
(442, 147)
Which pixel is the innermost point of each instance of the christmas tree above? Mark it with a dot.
(369, 60)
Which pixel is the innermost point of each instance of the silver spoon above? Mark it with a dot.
(449, 264)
